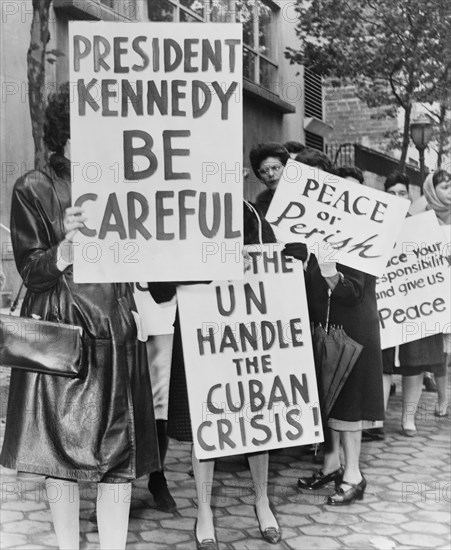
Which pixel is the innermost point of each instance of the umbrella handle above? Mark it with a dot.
(329, 293)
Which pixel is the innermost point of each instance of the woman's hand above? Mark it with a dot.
(298, 251)
(74, 219)
(326, 264)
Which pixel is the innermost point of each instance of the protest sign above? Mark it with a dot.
(359, 223)
(156, 147)
(248, 359)
(413, 295)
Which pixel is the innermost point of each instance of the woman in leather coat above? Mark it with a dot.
(99, 427)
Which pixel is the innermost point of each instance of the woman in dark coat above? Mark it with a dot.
(99, 427)
(360, 403)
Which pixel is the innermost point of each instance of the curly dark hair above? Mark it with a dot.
(348, 171)
(294, 146)
(57, 120)
(396, 177)
(264, 150)
(315, 158)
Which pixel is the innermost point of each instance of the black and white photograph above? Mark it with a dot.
(225, 274)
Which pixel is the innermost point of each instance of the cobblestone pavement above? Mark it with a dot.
(406, 505)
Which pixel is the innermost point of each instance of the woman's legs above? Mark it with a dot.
(258, 464)
(351, 449)
(64, 500)
(386, 380)
(331, 451)
(412, 387)
(113, 507)
(441, 383)
(203, 476)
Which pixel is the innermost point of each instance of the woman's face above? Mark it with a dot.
(270, 172)
(443, 190)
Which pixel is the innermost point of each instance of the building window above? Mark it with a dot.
(259, 19)
(184, 11)
(259, 41)
(126, 9)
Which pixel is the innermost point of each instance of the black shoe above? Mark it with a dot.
(345, 497)
(373, 434)
(270, 534)
(158, 487)
(318, 479)
(429, 385)
(204, 544)
(392, 389)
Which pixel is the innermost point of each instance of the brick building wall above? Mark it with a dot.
(353, 121)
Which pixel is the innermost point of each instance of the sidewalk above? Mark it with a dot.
(406, 505)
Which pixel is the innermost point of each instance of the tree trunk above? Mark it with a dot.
(39, 39)
(405, 138)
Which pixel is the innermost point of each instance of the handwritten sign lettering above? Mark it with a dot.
(413, 294)
(321, 209)
(249, 344)
(156, 145)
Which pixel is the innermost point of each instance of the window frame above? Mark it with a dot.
(232, 17)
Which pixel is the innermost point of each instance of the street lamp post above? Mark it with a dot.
(421, 133)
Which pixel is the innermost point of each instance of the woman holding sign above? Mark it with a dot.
(348, 298)
(99, 427)
(179, 422)
(437, 191)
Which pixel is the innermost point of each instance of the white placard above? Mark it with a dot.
(413, 295)
(249, 360)
(156, 146)
(315, 207)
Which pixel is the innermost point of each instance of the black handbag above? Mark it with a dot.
(40, 346)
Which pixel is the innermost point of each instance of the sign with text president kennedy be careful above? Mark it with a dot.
(156, 147)
(359, 223)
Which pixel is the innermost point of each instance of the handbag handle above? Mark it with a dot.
(13, 307)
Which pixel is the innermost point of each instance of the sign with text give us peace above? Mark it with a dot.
(156, 146)
(359, 223)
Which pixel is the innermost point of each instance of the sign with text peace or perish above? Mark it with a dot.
(356, 224)
(156, 147)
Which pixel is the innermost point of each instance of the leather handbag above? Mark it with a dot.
(40, 346)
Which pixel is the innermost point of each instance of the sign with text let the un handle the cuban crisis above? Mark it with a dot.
(358, 224)
(248, 358)
(413, 295)
(156, 147)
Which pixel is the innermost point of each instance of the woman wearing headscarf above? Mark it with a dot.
(437, 195)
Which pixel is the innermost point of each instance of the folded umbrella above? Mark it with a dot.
(350, 353)
(335, 355)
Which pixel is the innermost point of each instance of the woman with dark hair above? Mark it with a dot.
(350, 297)
(98, 428)
(267, 161)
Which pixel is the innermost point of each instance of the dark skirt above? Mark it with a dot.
(424, 355)
(179, 420)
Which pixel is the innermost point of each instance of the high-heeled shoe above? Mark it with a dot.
(270, 534)
(318, 479)
(204, 544)
(408, 432)
(344, 497)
